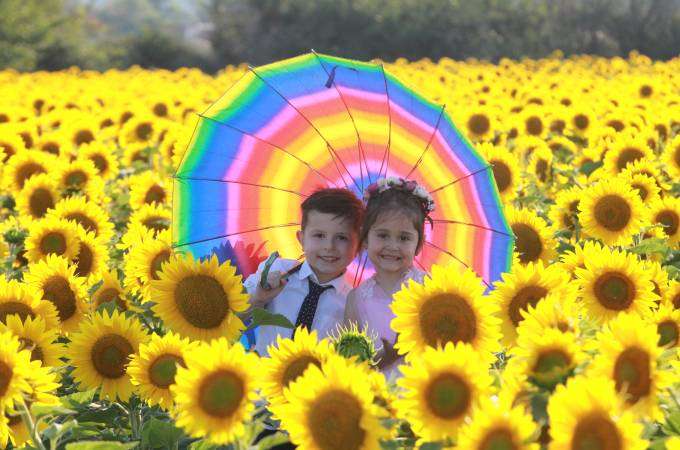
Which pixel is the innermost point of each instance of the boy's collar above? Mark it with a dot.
(306, 271)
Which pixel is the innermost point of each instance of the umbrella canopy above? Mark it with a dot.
(288, 128)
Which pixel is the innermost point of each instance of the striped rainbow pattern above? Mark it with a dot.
(288, 128)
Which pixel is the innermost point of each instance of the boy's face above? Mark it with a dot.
(329, 243)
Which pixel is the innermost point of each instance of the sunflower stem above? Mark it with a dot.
(30, 424)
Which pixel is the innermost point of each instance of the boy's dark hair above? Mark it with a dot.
(341, 202)
(391, 201)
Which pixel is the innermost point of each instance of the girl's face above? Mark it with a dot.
(392, 243)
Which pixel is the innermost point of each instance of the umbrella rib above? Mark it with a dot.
(429, 143)
(241, 182)
(235, 234)
(386, 155)
(362, 153)
(454, 257)
(332, 151)
(270, 144)
(471, 174)
(456, 222)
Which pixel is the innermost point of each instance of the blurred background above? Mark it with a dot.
(209, 34)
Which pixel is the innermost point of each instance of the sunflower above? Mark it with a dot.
(448, 307)
(14, 370)
(51, 142)
(88, 214)
(81, 131)
(481, 122)
(23, 301)
(505, 167)
(587, 413)
(92, 256)
(13, 430)
(525, 146)
(625, 150)
(214, 393)
(36, 338)
(551, 313)
(533, 122)
(288, 360)
(495, 427)
(667, 320)
(561, 143)
(154, 218)
(628, 354)
(55, 278)
(99, 352)
(199, 299)
(666, 212)
(141, 130)
(526, 286)
(109, 291)
(612, 211)
(38, 195)
(648, 168)
(326, 408)
(102, 156)
(659, 278)
(549, 358)
(572, 260)
(533, 238)
(135, 153)
(144, 260)
(612, 282)
(10, 145)
(22, 166)
(148, 188)
(645, 185)
(153, 369)
(50, 236)
(441, 387)
(558, 118)
(540, 164)
(582, 121)
(563, 214)
(671, 157)
(672, 295)
(81, 176)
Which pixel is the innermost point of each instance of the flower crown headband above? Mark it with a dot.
(410, 186)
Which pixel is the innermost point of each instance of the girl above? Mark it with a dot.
(392, 234)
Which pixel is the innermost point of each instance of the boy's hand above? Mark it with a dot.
(261, 297)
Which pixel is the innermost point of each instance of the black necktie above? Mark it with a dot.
(308, 309)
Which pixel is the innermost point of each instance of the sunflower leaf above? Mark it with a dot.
(263, 317)
(272, 440)
(159, 434)
(101, 445)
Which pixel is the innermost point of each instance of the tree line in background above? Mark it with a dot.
(209, 34)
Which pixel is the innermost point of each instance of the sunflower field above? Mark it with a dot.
(111, 340)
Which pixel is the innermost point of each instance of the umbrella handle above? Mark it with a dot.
(265, 271)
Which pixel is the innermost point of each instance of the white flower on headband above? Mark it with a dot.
(410, 186)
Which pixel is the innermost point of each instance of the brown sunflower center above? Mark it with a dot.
(570, 218)
(162, 371)
(499, 438)
(527, 296)
(528, 243)
(160, 110)
(6, 373)
(156, 223)
(83, 220)
(57, 290)
(36, 351)
(676, 301)
(669, 219)
(85, 260)
(14, 307)
(110, 295)
(84, 137)
(334, 420)
(614, 290)
(51, 147)
(612, 212)
(26, 171)
(642, 191)
(110, 355)
(100, 162)
(297, 367)
(157, 262)
(628, 155)
(596, 432)
(53, 242)
(542, 170)
(581, 121)
(479, 124)
(558, 126)
(448, 396)
(502, 175)
(40, 201)
(221, 393)
(668, 333)
(632, 374)
(447, 318)
(551, 367)
(676, 156)
(646, 91)
(202, 301)
(534, 126)
(143, 131)
(616, 124)
(155, 194)
(75, 179)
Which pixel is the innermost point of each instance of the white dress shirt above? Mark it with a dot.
(329, 312)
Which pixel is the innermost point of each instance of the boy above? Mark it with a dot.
(313, 293)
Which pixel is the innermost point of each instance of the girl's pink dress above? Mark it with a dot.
(373, 312)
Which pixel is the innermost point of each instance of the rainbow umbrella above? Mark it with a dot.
(288, 128)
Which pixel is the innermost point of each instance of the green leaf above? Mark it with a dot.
(273, 440)
(263, 317)
(431, 446)
(590, 167)
(673, 421)
(651, 245)
(159, 434)
(205, 445)
(101, 445)
(78, 398)
(56, 430)
(39, 410)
